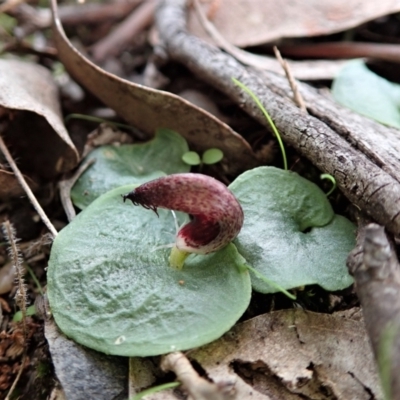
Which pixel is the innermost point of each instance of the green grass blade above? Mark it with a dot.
(273, 284)
(268, 118)
(332, 179)
(155, 389)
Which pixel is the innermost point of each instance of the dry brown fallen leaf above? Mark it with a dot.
(291, 352)
(149, 109)
(31, 120)
(249, 23)
(292, 355)
(307, 70)
(10, 187)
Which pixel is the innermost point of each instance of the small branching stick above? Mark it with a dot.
(66, 186)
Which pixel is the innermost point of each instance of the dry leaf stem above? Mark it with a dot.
(376, 271)
(66, 185)
(297, 97)
(27, 189)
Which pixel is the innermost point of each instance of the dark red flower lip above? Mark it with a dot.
(217, 215)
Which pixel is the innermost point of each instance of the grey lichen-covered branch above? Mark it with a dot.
(376, 271)
(362, 155)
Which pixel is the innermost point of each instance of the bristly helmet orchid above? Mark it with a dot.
(217, 216)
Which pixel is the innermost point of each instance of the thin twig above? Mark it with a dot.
(26, 188)
(12, 388)
(65, 187)
(297, 97)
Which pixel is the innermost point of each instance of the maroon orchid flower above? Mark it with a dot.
(217, 216)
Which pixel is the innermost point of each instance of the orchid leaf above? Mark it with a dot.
(110, 286)
(290, 233)
(365, 92)
(130, 164)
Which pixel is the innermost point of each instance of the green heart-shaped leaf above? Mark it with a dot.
(365, 92)
(111, 288)
(130, 164)
(290, 233)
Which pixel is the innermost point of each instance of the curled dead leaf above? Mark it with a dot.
(32, 121)
(294, 354)
(250, 23)
(149, 109)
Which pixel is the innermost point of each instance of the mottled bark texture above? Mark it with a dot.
(376, 272)
(362, 155)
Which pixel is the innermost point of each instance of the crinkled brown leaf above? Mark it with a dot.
(149, 109)
(10, 187)
(250, 22)
(34, 129)
(294, 354)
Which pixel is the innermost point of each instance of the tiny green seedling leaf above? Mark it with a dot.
(129, 164)
(110, 286)
(290, 233)
(31, 310)
(191, 158)
(365, 92)
(212, 156)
